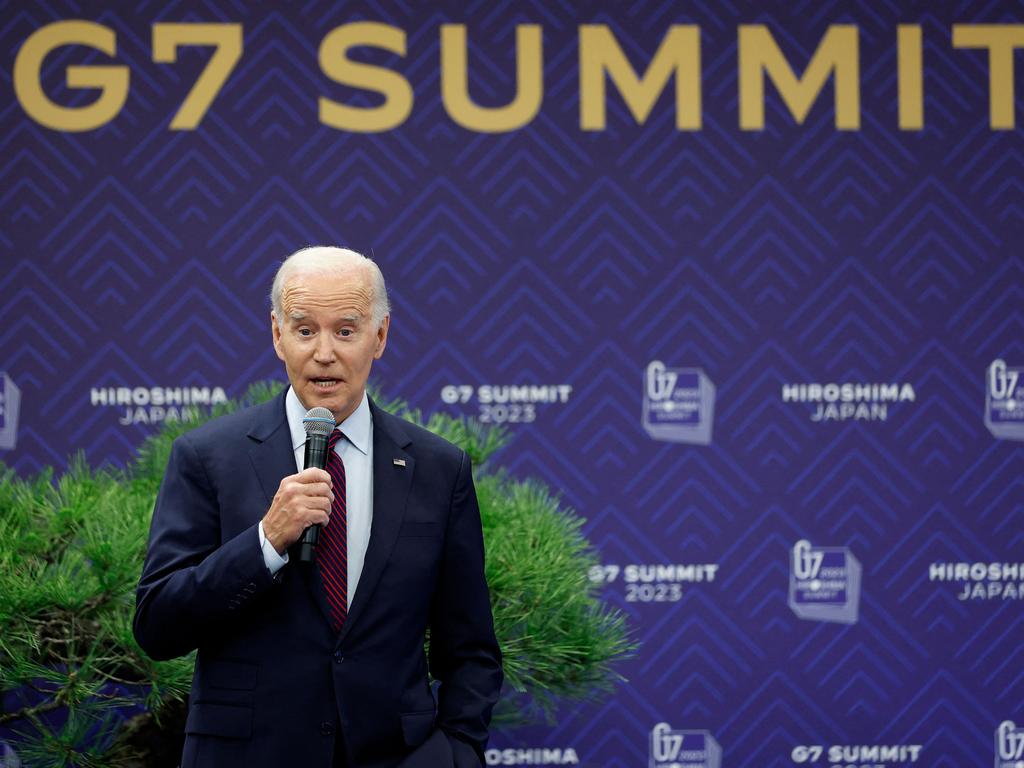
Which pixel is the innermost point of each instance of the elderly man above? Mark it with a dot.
(323, 663)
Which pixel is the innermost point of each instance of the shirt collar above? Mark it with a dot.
(357, 427)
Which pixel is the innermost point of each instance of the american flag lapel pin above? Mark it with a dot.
(399, 462)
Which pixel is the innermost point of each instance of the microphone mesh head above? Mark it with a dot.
(318, 421)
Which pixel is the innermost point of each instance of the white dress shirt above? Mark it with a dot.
(356, 452)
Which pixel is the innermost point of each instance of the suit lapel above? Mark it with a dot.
(271, 454)
(273, 458)
(391, 483)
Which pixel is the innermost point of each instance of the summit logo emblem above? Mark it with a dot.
(10, 407)
(1009, 745)
(1004, 401)
(683, 749)
(824, 583)
(679, 404)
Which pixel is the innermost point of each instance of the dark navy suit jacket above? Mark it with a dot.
(274, 685)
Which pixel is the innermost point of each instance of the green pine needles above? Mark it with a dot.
(71, 550)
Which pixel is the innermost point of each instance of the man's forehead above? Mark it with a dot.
(350, 290)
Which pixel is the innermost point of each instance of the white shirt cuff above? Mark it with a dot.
(271, 559)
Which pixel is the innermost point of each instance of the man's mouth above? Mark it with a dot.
(325, 383)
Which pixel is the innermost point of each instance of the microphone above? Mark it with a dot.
(318, 424)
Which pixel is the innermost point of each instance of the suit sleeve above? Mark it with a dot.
(464, 653)
(192, 582)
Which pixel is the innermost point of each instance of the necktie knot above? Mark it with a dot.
(332, 441)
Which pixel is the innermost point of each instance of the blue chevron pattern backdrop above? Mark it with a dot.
(775, 368)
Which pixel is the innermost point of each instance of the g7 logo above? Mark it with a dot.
(112, 80)
(1002, 383)
(1009, 741)
(661, 382)
(806, 564)
(665, 744)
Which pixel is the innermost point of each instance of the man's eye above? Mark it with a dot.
(345, 332)
(305, 332)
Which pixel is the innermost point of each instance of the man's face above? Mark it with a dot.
(328, 340)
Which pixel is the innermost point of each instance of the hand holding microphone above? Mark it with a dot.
(318, 424)
(303, 501)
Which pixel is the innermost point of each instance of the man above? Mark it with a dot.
(323, 664)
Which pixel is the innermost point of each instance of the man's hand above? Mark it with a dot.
(302, 500)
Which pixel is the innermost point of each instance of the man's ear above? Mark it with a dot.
(275, 332)
(382, 337)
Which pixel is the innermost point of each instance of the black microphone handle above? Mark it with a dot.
(315, 456)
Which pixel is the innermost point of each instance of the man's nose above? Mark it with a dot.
(324, 351)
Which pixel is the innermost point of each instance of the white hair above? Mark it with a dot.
(328, 258)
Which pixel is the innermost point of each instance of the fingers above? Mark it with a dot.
(302, 499)
(319, 490)
(314, 482)
(313, 475)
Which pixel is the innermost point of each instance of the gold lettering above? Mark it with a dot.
(600, 53)
(112, 80)
(759, 55)
(336, 65)
(455, 82)
(1001, 40)
(227, 42)
(911, 79)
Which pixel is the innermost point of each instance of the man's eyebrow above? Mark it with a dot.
(296, 315)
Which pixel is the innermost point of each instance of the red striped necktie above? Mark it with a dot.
(332, 546)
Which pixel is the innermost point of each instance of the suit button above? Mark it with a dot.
(326, 728)
(338, 658)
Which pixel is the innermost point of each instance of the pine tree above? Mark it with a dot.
(77, 689)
